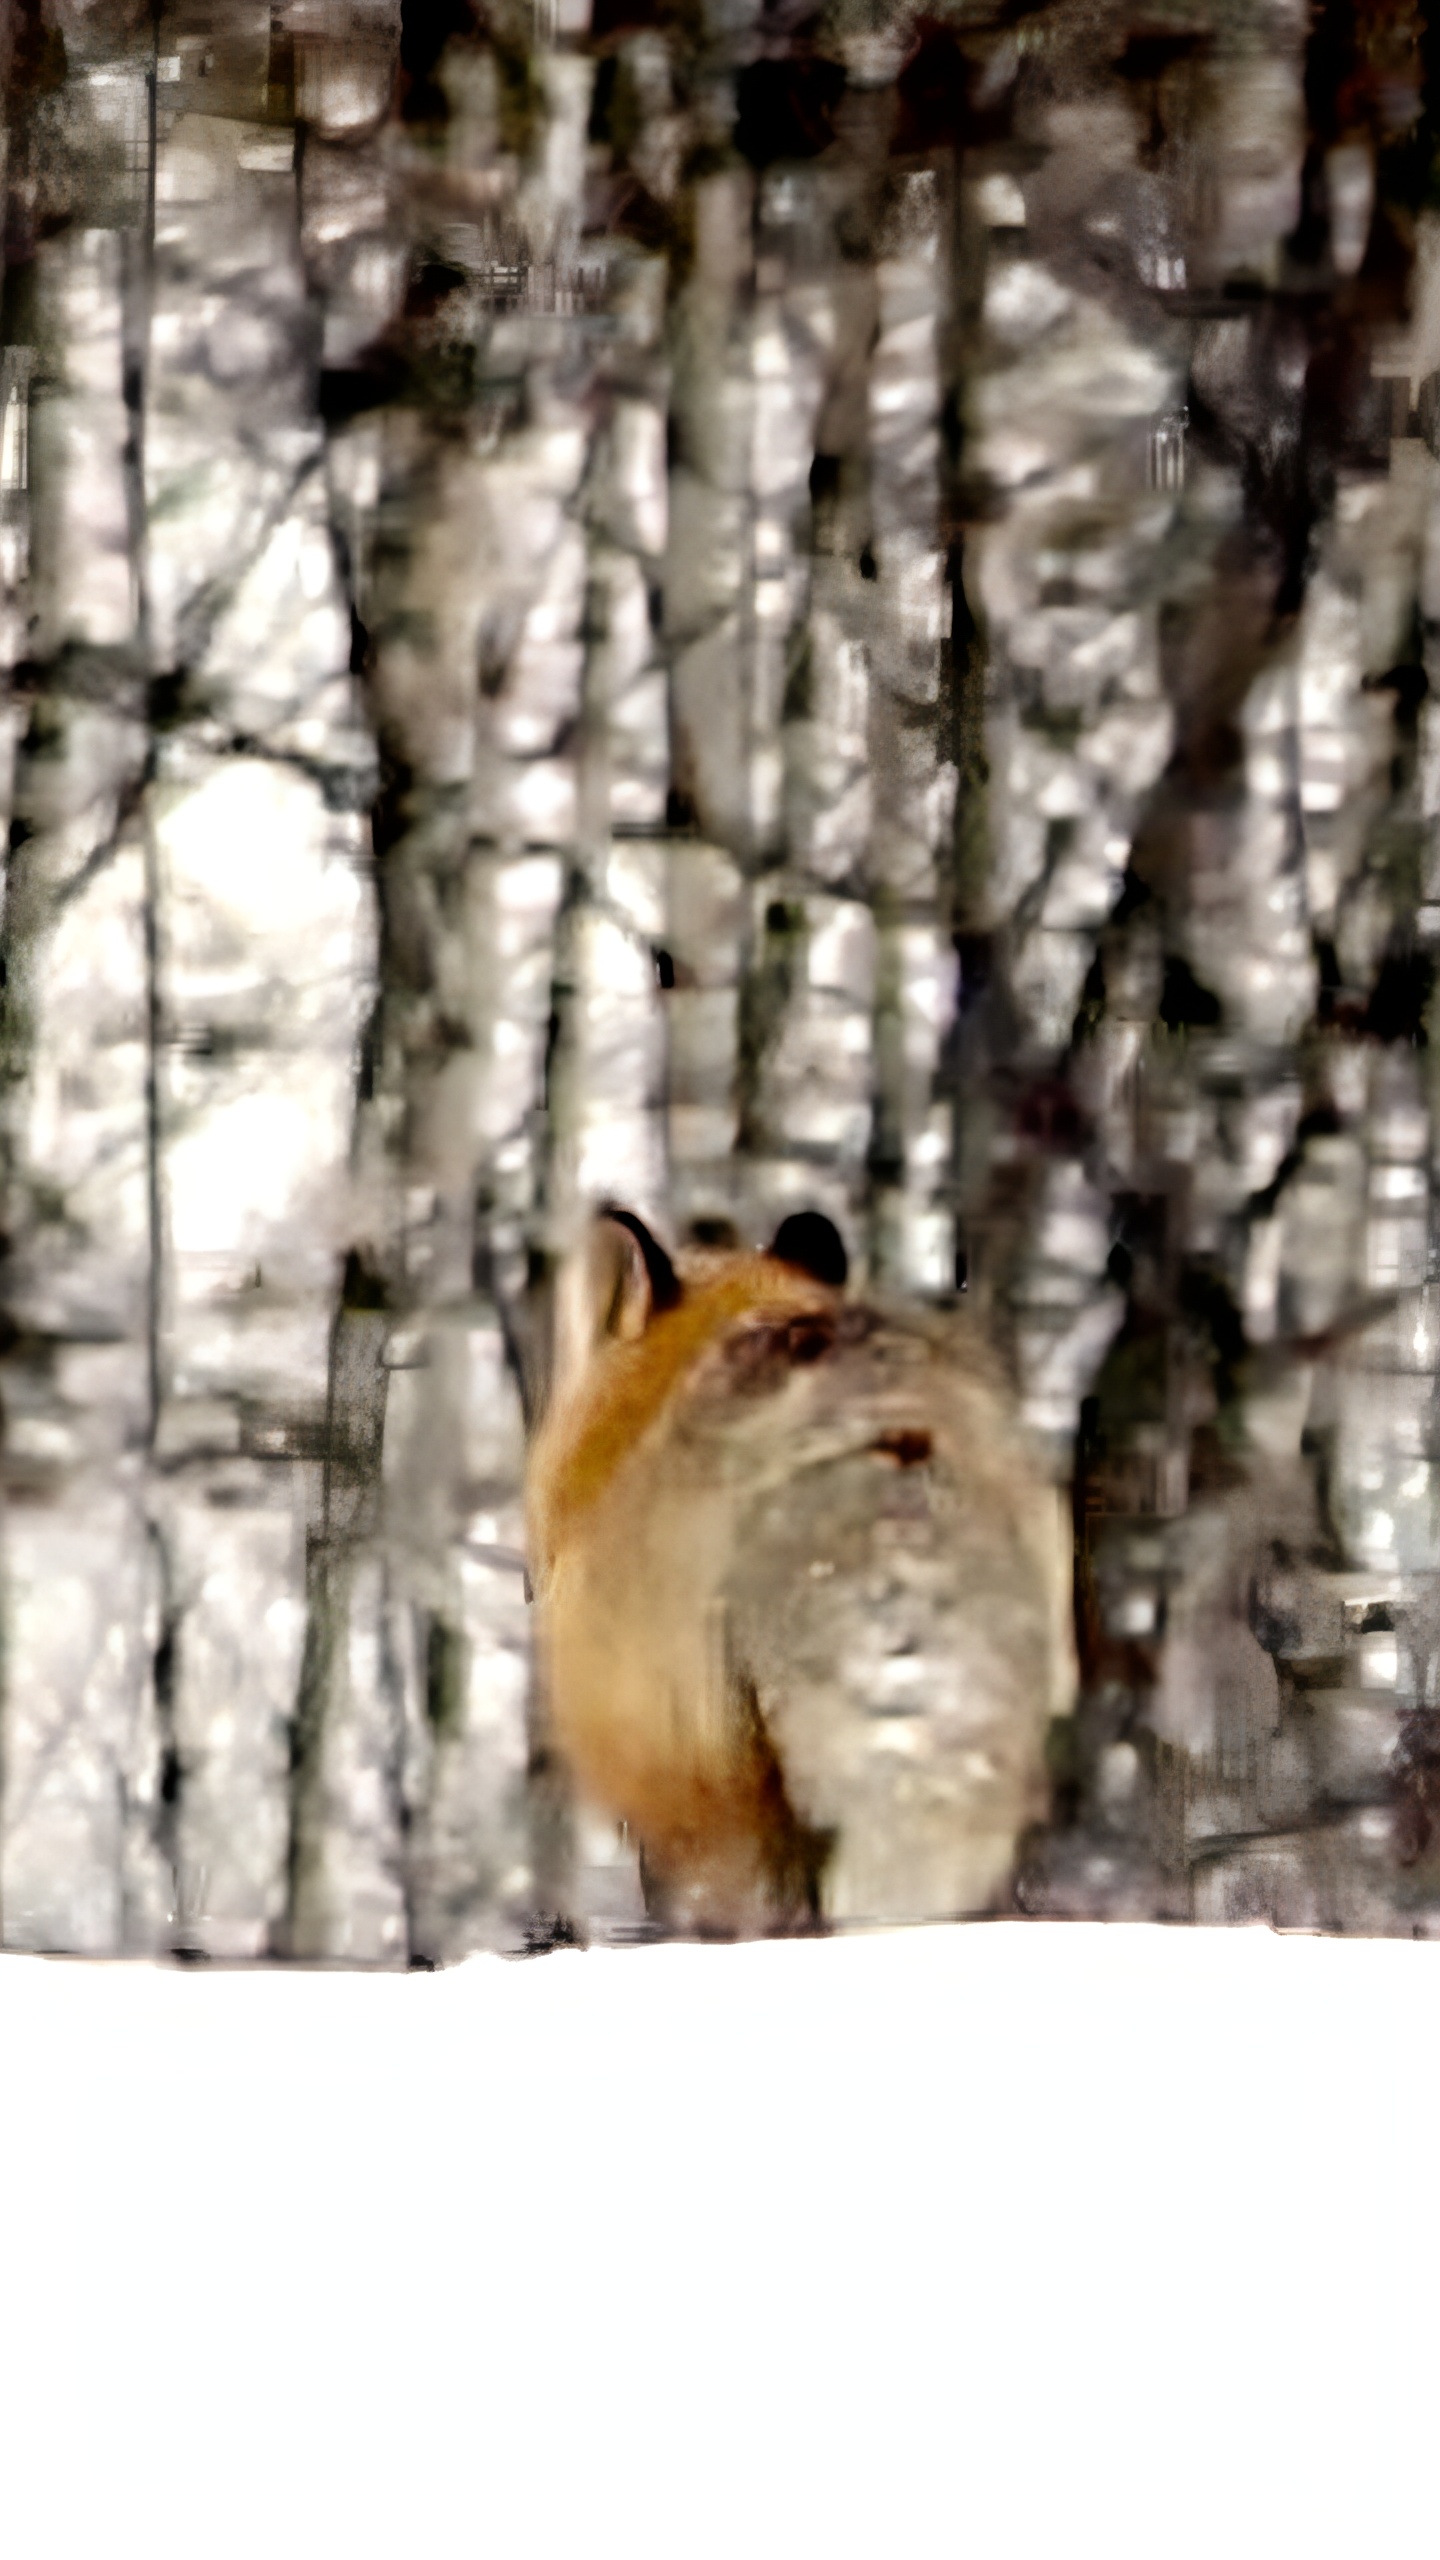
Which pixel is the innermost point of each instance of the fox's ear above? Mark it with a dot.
(615, 1281)
(811, 1243)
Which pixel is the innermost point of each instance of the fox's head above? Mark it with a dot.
(632, 1323)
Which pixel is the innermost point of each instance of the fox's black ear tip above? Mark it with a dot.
(659, 1269)
(811, 1243)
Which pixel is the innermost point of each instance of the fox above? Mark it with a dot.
(804, 1595)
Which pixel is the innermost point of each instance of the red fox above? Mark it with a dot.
(804, 1600)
